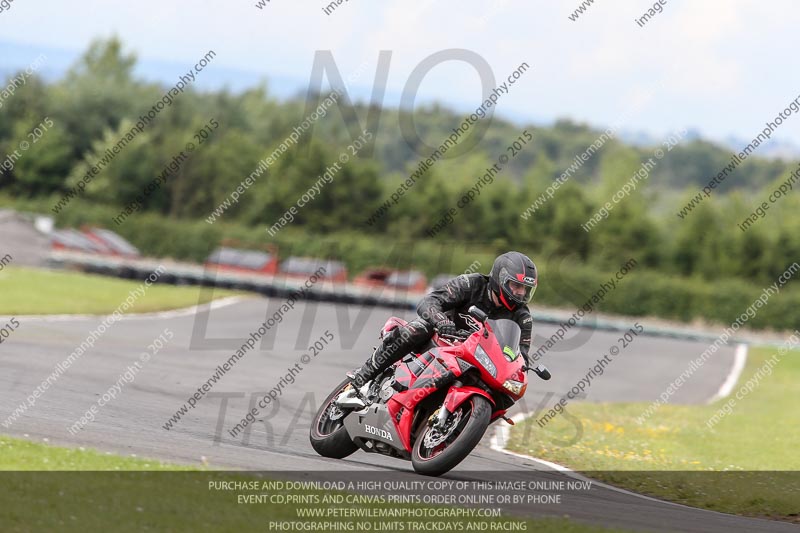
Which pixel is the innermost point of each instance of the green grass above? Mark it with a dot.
(141, 494)
(31, 291)
(19, 454)
(671, 454)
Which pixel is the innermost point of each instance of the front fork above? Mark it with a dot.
(438, 420)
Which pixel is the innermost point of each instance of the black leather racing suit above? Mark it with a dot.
(452, 301)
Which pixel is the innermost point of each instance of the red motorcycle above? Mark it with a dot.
(433, 407)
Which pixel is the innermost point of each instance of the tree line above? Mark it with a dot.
(99, 99)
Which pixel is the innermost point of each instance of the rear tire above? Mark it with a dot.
(474, 419)
(328, 436)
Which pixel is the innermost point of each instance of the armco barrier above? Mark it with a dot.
(178, 273)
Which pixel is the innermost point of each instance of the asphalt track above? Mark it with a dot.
(133, 422)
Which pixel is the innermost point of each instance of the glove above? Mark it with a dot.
(445, 326)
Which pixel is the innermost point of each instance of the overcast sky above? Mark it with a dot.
(723, 67)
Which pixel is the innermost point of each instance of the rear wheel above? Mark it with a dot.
(436, 452)
(328, 435)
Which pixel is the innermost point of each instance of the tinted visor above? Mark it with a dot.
(520, 292)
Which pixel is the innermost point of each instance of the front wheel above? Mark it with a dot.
(436, 452)
(328, 436)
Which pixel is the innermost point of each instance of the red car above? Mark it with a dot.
(405, 280)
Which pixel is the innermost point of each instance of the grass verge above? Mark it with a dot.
(24, 455)
(32, 291)
(51, 488)
(745, 463)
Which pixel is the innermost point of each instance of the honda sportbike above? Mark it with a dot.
(432, 407)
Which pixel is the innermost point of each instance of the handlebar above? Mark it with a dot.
(460, 334)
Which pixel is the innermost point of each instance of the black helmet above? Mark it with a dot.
(513, 279)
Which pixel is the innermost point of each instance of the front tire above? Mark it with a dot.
(328, 436)
(434, 455)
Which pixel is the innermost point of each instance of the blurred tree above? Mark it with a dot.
(30, 102)
(212, 173)
(42, 167)
(121, 176)
(97, 92)
(752, 256)
(697, 241)
(571, 211)
(99, 100)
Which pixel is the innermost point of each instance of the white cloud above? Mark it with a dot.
(726, 64)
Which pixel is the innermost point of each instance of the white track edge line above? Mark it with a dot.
(175, 313)
(503, 431)
(739, 360)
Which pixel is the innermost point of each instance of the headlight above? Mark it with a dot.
(514, 387)
(485, 361)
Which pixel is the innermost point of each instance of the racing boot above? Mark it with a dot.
(355, 396)
(392, 348)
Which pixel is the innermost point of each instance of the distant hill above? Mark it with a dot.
(15, 56)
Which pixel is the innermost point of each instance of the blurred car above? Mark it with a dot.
(373, 277)
(113, 242)
(304, 267)
(73, 240)
(92, 241)
(408, 280)
(252, 261)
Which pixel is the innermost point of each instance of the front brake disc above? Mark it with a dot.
(434, 437)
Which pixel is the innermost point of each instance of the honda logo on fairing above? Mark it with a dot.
(382, 433)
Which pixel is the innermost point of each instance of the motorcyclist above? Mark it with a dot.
(504, 293)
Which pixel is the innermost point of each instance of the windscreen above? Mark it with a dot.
(507, 333)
